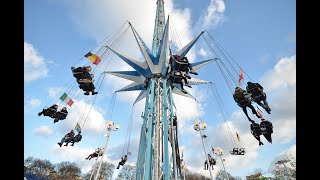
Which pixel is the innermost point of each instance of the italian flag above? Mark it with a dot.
(66, 99)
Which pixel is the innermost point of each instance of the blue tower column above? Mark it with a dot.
(154, 154)
(142, 144)
(149, 120)
(166, 165)
(173, 134)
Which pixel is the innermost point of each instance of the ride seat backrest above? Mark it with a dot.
(179, 65)
(256, 129)
(77, 138)
(53, 108)
(61, 113)
(50, 111)
(176, 79)
(86, 75)
(242, 100)
(268, 127)
(78, 70)
(256, 92)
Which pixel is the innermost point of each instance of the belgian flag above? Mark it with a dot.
(94, 58)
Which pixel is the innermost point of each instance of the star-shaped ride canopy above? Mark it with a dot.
(154, 64)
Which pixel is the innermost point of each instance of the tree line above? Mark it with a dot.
(67, 170)
(71, 171)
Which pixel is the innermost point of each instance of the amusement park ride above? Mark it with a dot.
(157, 78)
(158, 158)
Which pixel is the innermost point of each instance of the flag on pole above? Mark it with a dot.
(66, 99)
(93, 57)
(259, 112)
(78, 128)
(238, 137)
(128, 153)
(240, 77)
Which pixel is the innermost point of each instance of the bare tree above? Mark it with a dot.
(281, 172)
(127, 172)
(221, 175)
(193, 176)
(38, 167)
(293, 173)
(105, 173)
(68, 170)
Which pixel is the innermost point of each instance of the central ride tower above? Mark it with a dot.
(158, 154)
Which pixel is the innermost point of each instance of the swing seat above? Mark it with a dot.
(237, 151)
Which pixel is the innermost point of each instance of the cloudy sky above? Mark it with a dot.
(260, 37)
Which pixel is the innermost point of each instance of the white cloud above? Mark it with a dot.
(34, 102)
(282, 76)
(88, 117)
(181, 19)
(280, 85)
(284, 130)
(187, 108)
(34, 64)
(214, 14)
(43, 131)
(111, 14)
(107, 16)
(31, 104)
(202, 52)
(53, 91)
